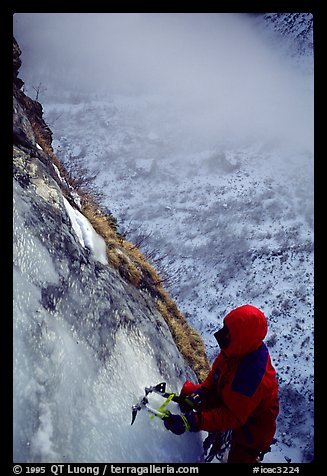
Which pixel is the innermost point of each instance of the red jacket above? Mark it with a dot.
(242, 387)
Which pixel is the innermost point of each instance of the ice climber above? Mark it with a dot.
(240, 392)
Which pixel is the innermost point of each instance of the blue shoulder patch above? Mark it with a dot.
(250, 372)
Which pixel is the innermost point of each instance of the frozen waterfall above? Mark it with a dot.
(86, 344)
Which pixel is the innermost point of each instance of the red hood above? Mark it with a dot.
(247, 327)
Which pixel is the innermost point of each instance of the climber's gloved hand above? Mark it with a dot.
(178, 424)
(191, 402)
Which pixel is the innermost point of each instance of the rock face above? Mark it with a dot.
(86, 341)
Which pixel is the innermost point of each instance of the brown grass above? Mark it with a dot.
(188, 341)
(48, 150)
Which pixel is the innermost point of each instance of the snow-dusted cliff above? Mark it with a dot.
(86, 341)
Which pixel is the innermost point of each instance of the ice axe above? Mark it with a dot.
(143, 404)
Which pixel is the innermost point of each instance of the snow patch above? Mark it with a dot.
(86, 234)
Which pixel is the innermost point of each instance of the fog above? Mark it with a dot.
(222, 76)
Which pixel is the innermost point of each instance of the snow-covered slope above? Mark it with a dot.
(217, 188)
(225, 226)
(296, 29)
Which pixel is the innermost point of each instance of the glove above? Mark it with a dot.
(178, 424)
(194, 401)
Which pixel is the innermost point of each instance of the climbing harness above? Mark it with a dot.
(216, 445)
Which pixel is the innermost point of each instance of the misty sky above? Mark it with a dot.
(220, 72)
